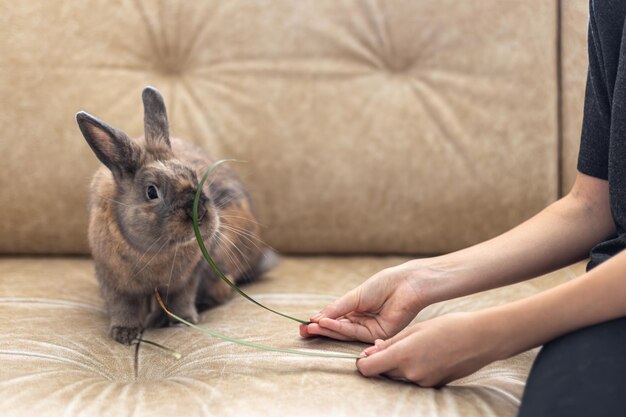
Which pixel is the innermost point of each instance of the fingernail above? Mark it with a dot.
(370, 350)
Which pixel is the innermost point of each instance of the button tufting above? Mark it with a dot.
(398, 64)
(171, 35)
(169, 65)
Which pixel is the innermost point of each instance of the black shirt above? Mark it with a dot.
(603, 143)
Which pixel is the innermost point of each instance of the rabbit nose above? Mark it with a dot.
(201, 209)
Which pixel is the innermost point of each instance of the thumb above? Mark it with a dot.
(340, 307)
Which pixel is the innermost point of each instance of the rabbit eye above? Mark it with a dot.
(152, 192)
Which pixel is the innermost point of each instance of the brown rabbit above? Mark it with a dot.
(140, 223)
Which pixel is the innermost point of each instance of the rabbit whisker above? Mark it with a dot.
(210, 183)
(167, 291)
(249, 236)
(144, 254)
(243, 231)
(231, 254)
(228, 253)
(117, 202)
(226, 202)
(242, 235)
(223, 250)
(151, 259)
(231, 216)
(243, 256)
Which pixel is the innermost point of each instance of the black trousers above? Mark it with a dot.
(580, 374)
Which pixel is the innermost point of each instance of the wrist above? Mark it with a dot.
(437, 279)
(516, 327)
(424, 281)
(497, 331)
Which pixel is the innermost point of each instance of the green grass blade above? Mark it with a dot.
(172, 352)
(249, 344)
(205, 252)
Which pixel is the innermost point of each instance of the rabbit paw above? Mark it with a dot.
(190, 316)
(124, 335)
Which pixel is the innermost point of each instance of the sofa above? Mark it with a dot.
(375, 132)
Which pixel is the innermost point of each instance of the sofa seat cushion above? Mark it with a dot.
(56, 358)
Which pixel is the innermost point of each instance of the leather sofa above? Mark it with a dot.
(375, 131)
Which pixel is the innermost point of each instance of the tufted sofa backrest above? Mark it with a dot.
(369, 126)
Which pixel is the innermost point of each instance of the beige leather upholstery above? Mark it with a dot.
(56, 358)
(370, 127)
(575, 16)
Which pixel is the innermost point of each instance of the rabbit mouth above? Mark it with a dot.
(208, 232)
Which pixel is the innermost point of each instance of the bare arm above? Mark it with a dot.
(561, 234)
(595, 297)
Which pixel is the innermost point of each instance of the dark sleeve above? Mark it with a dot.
(594, 145)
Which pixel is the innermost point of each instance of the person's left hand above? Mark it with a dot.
(435, 352)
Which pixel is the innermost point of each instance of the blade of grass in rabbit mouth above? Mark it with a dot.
(205, 252)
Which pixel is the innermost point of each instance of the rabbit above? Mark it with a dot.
(140, 224)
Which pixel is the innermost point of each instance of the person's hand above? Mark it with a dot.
(377, 309)
(435, 352)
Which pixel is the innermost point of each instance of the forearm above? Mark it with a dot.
(561, 234)
(595, 297)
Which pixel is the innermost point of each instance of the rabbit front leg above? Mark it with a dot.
(211, 290)
(126, 315)
(180, 302)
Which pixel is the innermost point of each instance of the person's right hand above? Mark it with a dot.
(377, 309)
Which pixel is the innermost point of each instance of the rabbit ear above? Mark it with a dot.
(112, 147)
(155, 123)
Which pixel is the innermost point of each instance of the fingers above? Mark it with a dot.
(315, 329)
(343, 329)
(303, 328)
(348, 328)
(379, 345)
(382, 358)
(372, 349)
(400, 357)
(396, 374)
(349, 302)
(382, 362)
